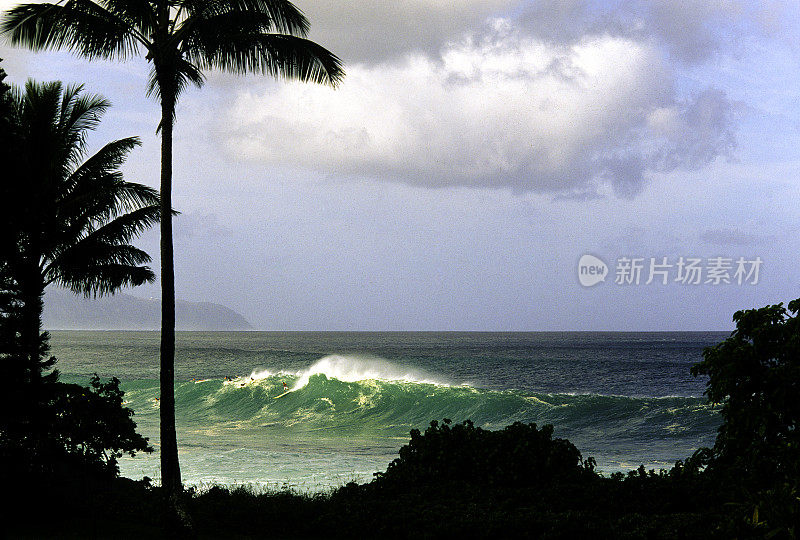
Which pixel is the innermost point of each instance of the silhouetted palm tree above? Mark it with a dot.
(64, 219)
(181, 38)
(67, 220)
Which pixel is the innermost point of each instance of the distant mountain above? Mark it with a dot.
(64, 310)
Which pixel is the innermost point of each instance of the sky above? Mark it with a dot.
(475, 152)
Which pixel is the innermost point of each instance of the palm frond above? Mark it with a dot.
(45, 152)
(97, 201)
(81, 26)
(139, 15)
(106, 160)
(80, 112)
(184, 73)
(107, 279)
(83, 111)
(280, 16)
(41, 101)
(278, 55)
(73, 220)
(95, 198)
(126, 227)
(54, 120)
(78, 261)
(102, 242)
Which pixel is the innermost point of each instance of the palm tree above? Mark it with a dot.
(64, 219)
(68, 220)
(181, 39)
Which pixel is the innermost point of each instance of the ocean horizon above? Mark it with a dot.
(625, 398)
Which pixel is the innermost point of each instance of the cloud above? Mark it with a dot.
(373, 31)
(691, 31)
(694, 132)
(570, 97)
(495, 110)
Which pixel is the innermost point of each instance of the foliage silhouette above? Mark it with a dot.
(12, 357)
(181, 39)
(93, 425)
(86, 430)
(460, 480)
(5, 117)
(66, 219)
(516, 456)
(755, 375)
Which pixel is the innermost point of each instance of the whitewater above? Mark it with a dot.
(625, 399)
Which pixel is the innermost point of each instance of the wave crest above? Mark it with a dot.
(356, 368)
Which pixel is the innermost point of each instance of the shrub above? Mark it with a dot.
(78, 431)
(520, 455)
(755, 375)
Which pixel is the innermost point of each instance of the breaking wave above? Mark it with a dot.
(343, 396)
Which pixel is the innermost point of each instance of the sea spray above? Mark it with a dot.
(351, 368)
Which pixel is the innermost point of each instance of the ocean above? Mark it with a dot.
(625, 399)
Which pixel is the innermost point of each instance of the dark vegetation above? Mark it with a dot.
(456, 479)
(70, 221)
(180, 39)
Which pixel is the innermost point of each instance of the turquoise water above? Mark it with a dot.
(624, 398)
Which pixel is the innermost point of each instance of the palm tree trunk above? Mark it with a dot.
(170, 467)
(179, 523)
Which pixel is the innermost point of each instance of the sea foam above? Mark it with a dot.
(355, 368)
